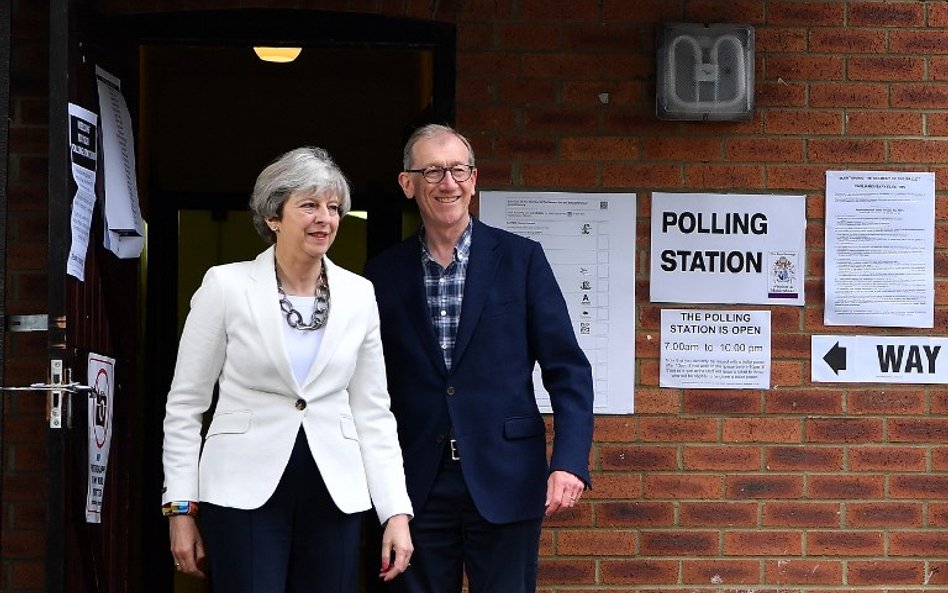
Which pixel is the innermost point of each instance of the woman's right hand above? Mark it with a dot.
(187, 549)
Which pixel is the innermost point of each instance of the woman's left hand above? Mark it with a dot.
(396, 547)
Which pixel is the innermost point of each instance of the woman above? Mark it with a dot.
(302, 439)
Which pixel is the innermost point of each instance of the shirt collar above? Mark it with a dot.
(462, 249)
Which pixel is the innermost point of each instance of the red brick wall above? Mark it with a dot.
(803, 487)
(24, 444)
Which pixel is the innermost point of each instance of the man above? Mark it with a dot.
(466, 311)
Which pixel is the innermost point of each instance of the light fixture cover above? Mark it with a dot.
(705, 72)
(280, 55)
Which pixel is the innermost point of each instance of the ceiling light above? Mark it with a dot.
(277, 54)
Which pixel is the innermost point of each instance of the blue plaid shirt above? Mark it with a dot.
(444, 288)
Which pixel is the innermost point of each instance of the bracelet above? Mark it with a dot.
(180, 507)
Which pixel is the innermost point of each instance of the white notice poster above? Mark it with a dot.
(715, 349)
(590, 242)
(101, 377)
(124, 230)
(728, 248)
(880, 249)
(83, 156)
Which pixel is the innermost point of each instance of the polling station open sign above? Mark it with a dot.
(878, 359)
(728, 248)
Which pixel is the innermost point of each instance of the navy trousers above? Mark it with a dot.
(297, 542)
(451, 538)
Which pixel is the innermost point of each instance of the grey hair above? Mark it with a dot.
(307, 169)
(433, 131)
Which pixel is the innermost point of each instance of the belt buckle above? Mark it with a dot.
(453, 444)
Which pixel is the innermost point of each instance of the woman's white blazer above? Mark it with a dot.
(233, 336)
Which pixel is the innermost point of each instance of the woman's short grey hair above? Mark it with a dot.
(433, 131)
(308, 169)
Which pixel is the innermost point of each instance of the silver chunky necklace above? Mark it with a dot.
(320, 307)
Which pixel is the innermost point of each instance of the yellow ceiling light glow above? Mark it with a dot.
(279, 55)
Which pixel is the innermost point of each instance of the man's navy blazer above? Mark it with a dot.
(513, 315)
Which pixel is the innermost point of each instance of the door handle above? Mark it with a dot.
(58, 402)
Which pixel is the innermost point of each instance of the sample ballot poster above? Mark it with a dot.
(589, 239)
(880, 237)
(715, 349)
(728, 248)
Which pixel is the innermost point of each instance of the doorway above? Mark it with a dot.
(211, 115)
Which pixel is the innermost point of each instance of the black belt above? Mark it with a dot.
(451, 452)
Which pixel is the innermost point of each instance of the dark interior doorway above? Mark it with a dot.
(211, 116)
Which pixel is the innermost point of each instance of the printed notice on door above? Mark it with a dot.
(590, 242)
(715, 349)
(880, 237)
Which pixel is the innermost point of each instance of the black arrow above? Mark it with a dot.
(836, 358)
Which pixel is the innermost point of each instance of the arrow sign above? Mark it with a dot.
(878, 359)
(836, 358)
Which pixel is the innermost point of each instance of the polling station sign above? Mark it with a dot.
(728, 248)
(878, 359)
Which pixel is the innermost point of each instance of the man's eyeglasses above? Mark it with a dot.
(459, 173)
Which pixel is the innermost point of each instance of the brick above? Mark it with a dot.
(638, 571)
(804, 458)
(731, 572)
(560, 65)
(476, 36)
(845, 543)
(526, 91)
(861, 573)
(939, 459)
(804, 402)
(554, 10)
(885, 123)
(785, 373)
(918, 487)
(595, 543)
(778, 150)
(788, 345)
(578, 516)
(763, 543)
(656, 401)
(786, 12)
(918, 42)
(780, 39)
(27, 575)
(761, 430)
(779, 94)
(887, 459)
(845, 150)
(525, 147)
(676, 149)
(611, 429)
(883, 514)
(679, 543)
(635, 514)
(886, 68)
(562, 120)
(918, 96)
(803, 122)
(677, 430)
(797, 67)
(801, 514)
(886, 14)
(859, 95)
(599, 149)
(847, 41)
(566, 572)
(918, 430)
(605, 37)
(718, 514)
(843, 430)
(486, 117)
(683, 486)
(726, 458)
(488, 64)
(721, 402)
(800, 571)
(529, 36)
(723, 177)
(923, 544)
(615, 486)
(888, 402)
(743, 487)
(641, 458)
(560, 175)
(850, 487)
(667, 176)
(736, 11)
(938, 514)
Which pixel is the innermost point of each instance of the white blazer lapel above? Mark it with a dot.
(263, 300)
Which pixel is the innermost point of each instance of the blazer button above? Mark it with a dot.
(300, 404)
(450, 390)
